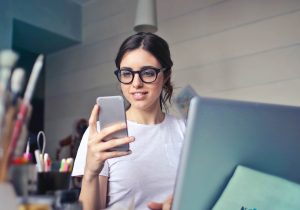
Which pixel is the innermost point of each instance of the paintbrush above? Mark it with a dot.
(17, 84)
(17, 81)
(17, 145)
(8, 59)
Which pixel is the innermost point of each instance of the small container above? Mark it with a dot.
(49, 182)
(24, 179)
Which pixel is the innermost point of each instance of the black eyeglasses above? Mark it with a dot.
(146, 74)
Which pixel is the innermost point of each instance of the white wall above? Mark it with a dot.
(238, 49)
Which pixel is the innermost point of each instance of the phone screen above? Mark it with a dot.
(112, 110)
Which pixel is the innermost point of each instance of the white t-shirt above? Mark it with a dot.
(148, 174)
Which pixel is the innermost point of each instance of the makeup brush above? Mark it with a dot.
(17, 84)
(17, 81)
(17, 144)
(8, 59)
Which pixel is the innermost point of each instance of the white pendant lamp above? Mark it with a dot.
(146, 19)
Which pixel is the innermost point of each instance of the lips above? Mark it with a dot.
(139, 95)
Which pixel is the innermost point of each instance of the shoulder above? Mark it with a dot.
(176, 122)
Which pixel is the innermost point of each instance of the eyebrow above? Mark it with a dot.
(143, 67)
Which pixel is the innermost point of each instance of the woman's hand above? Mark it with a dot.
(166, 205)
(97, 151)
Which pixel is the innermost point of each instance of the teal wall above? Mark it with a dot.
(5, 24)
(31, 27)
(59, 16)
(39, 26)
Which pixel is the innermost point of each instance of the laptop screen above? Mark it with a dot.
(222, 134)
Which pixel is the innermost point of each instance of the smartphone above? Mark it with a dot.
(112, 110)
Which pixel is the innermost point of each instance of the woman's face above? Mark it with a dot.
(140, 95)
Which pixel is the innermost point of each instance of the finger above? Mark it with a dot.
(168, 203)
(93, 119)
(167, 206)
(169, 199)
(105, 132)
(155, 206)
(108, 155)
(116, 142)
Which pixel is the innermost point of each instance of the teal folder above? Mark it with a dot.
(249, 189)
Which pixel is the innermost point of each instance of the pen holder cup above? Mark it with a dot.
(23, 179)
(49, 182)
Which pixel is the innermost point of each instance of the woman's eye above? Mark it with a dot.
(148, 73)
(125, 73)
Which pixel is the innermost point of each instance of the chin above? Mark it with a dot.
(139, 105)
(142, 105)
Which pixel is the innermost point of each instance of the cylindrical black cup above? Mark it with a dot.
(49, 182)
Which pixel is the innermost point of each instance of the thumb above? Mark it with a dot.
(155, 206)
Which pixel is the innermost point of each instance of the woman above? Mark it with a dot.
(148, 173)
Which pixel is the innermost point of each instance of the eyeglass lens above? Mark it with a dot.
(146, 75)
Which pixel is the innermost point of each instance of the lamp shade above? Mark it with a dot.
(146, 20)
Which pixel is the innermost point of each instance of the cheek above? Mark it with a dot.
(124, 89)
(159, 85)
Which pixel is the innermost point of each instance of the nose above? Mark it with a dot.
(137, 82)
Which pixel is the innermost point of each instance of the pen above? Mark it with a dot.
(27, 154)
(38, 160)
(42, 162)
(47, 162)
(70, 164)
(62, 165)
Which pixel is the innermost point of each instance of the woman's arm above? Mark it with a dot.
(94, 187)
(93, 192)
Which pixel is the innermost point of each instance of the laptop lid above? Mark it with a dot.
(222, 134)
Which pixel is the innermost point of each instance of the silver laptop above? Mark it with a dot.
(222, 134)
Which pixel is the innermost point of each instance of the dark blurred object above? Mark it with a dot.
(72, 141)
(67, 200)
(49, 182)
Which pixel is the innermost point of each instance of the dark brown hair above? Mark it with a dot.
(159, 48)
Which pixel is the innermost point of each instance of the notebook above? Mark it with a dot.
(250, 189)
(222, 134)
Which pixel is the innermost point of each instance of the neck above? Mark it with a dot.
(145, 117)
